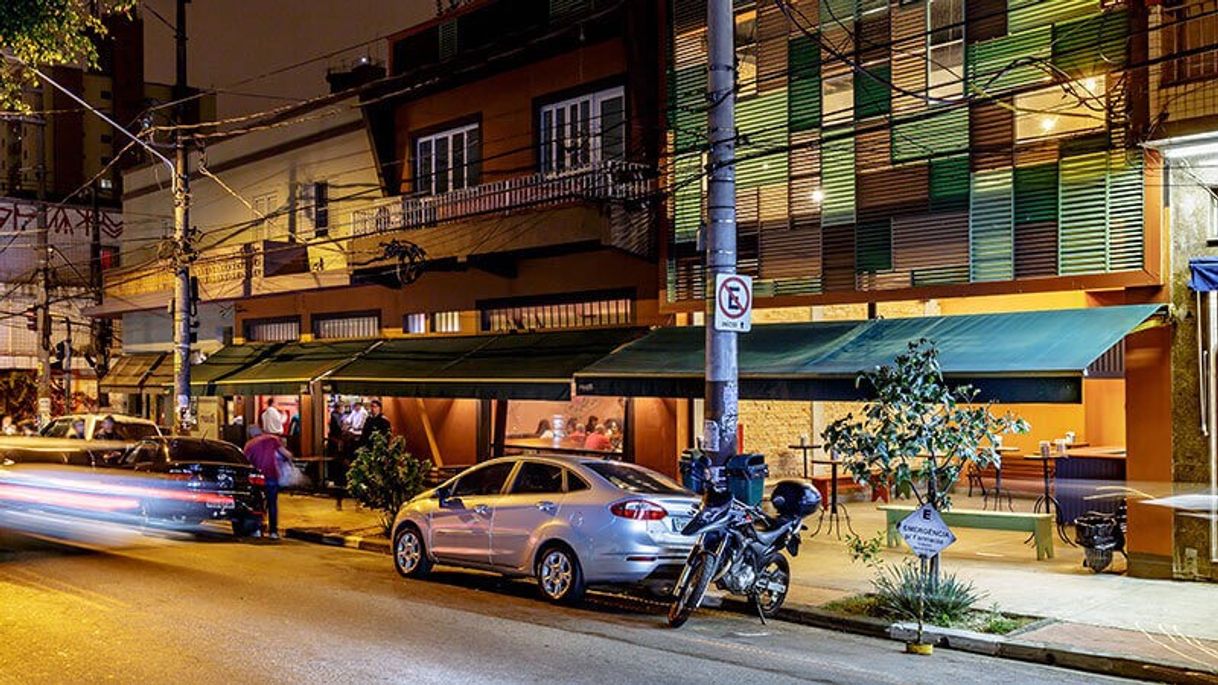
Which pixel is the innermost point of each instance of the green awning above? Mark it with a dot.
(286, 368)
(225, 362)
(132, 373)
(1014, 357)
(532, 366)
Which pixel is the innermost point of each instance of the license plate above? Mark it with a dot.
(679, 523)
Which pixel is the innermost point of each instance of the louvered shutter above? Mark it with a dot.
(991, 232)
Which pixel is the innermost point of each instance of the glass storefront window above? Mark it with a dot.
(584, 423)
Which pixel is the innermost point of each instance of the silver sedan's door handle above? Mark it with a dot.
(548, 507)
(482, 510)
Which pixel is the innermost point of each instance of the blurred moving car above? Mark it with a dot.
(129, 428)
(175, 480)
(570, 522)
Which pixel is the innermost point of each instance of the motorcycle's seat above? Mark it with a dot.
(770, 536)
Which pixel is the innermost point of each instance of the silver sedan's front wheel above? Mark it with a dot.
(409, 556)
(559, 575)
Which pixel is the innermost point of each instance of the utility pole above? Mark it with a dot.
(722, 389)
(181, 236)
(44, 280)
(100, 340)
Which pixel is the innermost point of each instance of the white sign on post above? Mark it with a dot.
(733, 303)
(925, 532)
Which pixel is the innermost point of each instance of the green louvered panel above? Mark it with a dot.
(797, 286)
(448, 39)
(1036, 194)
(873, 246)
(838, 13)
(1091, 45)
(949, 184)
(837, 182)
(991, 226)
(671, 287)
(803, 96)
(1026, 14)
(871, 91)
(762, 124)
(990, 65)
(687, 196)
(927, 136)
(688, 108)
(1082, 218)
(1125, 210)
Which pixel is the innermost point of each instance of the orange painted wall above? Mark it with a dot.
(454, 423)
(1104, 411)
(655, 437)
(1148, 436)
(506, 107)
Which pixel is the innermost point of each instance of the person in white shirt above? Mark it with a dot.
(271, 419)
(356, 423)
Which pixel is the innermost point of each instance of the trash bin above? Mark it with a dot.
(693, 465)
(746, 475)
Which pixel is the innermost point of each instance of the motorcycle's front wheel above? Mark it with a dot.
(771, 589)
(689, 595)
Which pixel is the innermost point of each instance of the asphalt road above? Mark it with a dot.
(151, 608)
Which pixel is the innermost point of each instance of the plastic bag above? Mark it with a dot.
(290, 475)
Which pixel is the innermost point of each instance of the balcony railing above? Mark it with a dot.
(604, 181)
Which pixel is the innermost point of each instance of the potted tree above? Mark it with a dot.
(918, 435)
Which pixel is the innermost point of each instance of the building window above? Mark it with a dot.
(446, 322)
(583, 130)
(274, 329)
(533, 315)
(448, 160)
(321, 209)
(746, 53)
(838, 99)
(347, 325)
(1062, 109)
(109, 257)
(414, 324)
(1193, 28)
(945, 49)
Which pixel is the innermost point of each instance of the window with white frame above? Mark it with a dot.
(945, 49)
(274, 329)
(448, 160)
(446, 322)
(583, 130)
(414, 324)
(347, 325)
(560, 313)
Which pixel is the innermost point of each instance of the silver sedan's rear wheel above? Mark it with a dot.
(559, 575)
(409, 555)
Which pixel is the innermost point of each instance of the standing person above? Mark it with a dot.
(271, 420)
(334, 431)
(355, 424)
(264, 450)
(376, 423)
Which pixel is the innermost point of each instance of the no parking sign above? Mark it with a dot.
(733, 303)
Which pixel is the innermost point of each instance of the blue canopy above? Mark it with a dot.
(1204, 277)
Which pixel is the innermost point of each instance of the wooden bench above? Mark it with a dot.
(1039, 525)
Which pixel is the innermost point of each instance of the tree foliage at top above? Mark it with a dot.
(918, 429)
(45, 33)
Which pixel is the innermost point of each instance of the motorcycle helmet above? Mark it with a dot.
(795, 499)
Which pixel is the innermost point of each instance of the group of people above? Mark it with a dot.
(590, 435)
(351, 427)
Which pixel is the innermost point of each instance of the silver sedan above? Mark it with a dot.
(570, 522)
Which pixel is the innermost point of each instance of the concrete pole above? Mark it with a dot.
(181, 237)
(722, 390)
(44, 281)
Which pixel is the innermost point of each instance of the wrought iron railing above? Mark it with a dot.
(603, 181)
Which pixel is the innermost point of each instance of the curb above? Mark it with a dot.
(337, 540)
(1003, 647)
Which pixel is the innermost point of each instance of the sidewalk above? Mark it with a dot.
(1107, 615)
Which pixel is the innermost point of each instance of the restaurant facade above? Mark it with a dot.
(997, 177)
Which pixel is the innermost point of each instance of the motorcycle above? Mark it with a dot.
(740, 549)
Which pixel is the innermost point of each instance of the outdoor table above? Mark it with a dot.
(1047, 500)
(998, 493)
(834, 505)
(805, 449)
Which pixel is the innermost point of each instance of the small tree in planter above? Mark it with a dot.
(383, 476)
(919, 430)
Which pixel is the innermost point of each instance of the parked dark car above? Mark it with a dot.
(177, 480)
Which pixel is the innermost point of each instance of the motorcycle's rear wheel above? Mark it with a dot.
(689, 596)
(773, 585)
